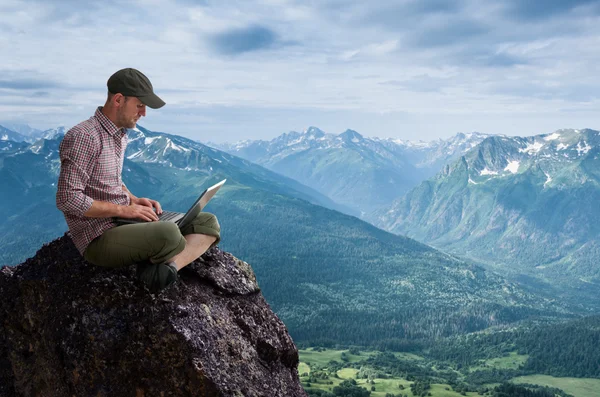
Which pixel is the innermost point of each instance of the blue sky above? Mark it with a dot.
(232, 70)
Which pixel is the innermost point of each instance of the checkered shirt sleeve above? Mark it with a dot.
(78, 154)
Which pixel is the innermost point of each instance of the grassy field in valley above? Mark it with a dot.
(317, 372)
(313, 360)
(512, 361)
(578, 387)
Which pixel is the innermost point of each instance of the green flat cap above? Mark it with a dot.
(132, 82)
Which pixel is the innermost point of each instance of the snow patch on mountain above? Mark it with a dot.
(136, 154)
(552, 137)
(548, 179)
(533, 147)
(561, 146)
(485, 171)
(295, 142)
(513, 166)
(583, 149)
(175, 146)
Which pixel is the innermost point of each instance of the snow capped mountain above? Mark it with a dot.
(528, 203)
(53, 133)
(27, 133)
(24, 133)
(175, 152)
(560, 156)
(428, 156)
(361, 173)
(351, 136)
(10, 135)
(432, 156)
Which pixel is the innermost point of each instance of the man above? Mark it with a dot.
(91, 192)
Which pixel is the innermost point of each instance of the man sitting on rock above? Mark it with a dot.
(91, 192)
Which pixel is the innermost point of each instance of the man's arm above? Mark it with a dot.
(78, 153)
(103, 209)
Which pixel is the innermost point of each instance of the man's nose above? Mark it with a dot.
(142, 111)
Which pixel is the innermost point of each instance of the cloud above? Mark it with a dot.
(539, 10)
(324, 60)
(397, 16)
(241, 40)
(421, 83)
(569, 92)
(27, 84)
(456, 32)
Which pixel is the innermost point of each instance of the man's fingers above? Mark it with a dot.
(150, 212)
(145, 213)
(158, 207)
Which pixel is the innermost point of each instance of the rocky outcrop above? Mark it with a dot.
(74, 329)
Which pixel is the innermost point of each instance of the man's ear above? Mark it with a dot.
(118, 99)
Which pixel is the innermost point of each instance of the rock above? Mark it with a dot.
(74, 329)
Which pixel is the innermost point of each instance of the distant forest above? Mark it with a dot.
(564, 349)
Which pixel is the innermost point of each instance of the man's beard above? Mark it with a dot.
(127, 122)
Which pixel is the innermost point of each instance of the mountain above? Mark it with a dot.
(10, 135)
(31, 134)
(24, 133)
(329, 276)
(522, 204)
(51, 133)
(361, 173)
(10, 147)
(430, 157)
(29, 174)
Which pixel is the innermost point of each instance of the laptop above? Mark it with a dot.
(179, 218)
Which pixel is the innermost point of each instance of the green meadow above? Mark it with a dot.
(314, 360)
(512, 361)
(316, 372)
(578, 387)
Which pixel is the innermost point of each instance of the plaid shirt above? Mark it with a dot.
(91, 162)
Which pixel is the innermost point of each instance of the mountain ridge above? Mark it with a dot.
(314, 264)
(529, 201)
(361, 173)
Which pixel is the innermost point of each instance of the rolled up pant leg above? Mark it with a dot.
(205, 223)
(129, 244)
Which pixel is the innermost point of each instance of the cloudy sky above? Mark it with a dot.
(230, 70)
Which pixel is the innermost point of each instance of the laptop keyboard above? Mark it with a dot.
(168, 215)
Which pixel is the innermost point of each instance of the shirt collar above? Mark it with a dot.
(107, 124)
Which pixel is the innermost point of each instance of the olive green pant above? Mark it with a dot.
(154, 241)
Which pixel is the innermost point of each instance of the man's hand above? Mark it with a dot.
(136, 211)
(146, 202)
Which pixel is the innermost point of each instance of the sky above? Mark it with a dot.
(233, 70)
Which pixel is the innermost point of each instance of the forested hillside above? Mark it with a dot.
(567, 349)
(522, 205)
(329, 276)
